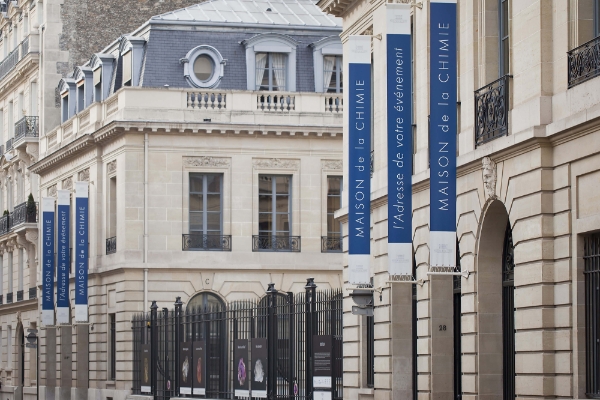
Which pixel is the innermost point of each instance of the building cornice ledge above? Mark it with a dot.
(62, 154)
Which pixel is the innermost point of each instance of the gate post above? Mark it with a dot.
(309, 331)
(178, 333)
(272, 342)
(166, 376)
(153, 346)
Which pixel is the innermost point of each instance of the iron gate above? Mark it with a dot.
(288, 321)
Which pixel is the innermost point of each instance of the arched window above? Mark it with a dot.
(508, 315)
(271, 62)
(327, 62)
(211, 327)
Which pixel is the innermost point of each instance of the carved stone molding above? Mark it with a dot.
(276, 163)
(67, 184)
(203, 161)
(332, 164)
(489, 178)
(52, 191)
(84, 175)
(33, 149)
(32, 237)
(111, 167)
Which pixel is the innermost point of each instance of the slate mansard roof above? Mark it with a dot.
(300, 13)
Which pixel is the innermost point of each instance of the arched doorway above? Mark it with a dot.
(495, 298)
(20, 381)
(213, 330)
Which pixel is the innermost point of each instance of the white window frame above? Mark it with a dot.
(102, 66)
(329, 46)
(218, 66)
(271, 43)
(273, 213)
(204, 203)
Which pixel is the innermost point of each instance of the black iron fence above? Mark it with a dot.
(287, 321)
(491, 110)
(584, 62)
(331, 244)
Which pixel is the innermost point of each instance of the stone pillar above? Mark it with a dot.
(402, 341)
(66, 363)
(442, 337)
(50, 362)
(83, 358)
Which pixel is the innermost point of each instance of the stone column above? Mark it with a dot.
(50, 362)
(66, 363)
(83, 358)
(442, 337)
(402, 341)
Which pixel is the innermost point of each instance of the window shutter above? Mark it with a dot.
(127, 67)
(97, 75)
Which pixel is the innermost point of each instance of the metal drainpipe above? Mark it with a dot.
(145, 220)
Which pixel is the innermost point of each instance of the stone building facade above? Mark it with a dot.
(213, 152)
(521, 324)
(40, 42)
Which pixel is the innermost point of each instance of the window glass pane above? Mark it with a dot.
(283, 223)
(504, 18)
(333, 204)
(213, 202)
(213, 183)
(265, 222)
(265, 186)
(203, 67)
(195, 221)
(265, 203)
(332, 226)
(196, 202)
(334, 185)
(283, 184)
(196, 183)
(505, 55)
(213, 221)
(282, 203)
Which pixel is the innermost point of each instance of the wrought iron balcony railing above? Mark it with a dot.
(584, 62)
(23, 214)
(32, 293)
(27, 127)
(4, 226)
(9, 298)
(331, 244)
(19, 295)
(491, 111)
(199, 241)
(111, 245)
(25, 47)
(9, 62)
(275, 243)
(9, 144)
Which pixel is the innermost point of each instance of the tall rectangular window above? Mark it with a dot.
(21, 266)
(596, 18)
(33, 99)
(591, 275)
(127, 68)
(504, 36)
(98, 84)
(112, 204)
(11, 126)
(274, 205)
(10, 281)
(206, 204)
(332, 74)
(112, 325)
(334, 203)
(271, 71)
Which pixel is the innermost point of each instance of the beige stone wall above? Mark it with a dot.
(546, 186)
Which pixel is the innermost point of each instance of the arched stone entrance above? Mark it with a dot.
(490, 259)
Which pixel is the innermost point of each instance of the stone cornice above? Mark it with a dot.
(115, 128)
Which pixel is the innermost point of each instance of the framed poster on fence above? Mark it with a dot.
(259, 372)
(322, 366)
(241, 381)
(185, 368)
(146, 370)
(199, 370)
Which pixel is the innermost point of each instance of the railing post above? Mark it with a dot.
(177, 344)
(165, 325)
(154, 346)
(292, 339)
(309, 331)
(271, 342)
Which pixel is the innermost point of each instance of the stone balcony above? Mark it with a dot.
(212, 111)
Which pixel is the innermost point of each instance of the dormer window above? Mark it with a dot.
(332, 74)
(271, 71)
(98, 84)
(102, 66)
(271, 62)
(131, 51)
(127, 69)
(67, 89)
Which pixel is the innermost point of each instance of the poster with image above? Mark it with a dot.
(146, 372)
(199, 369)
(185, 369)
(241, 367)
(259, 370)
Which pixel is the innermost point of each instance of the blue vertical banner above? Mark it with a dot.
(81, 251)
(62, 269)
(399, 138)
(359, 159)
(442, 145)
(48, 261)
